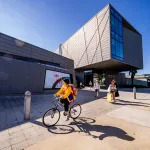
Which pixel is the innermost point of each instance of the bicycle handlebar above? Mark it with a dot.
(57, 98)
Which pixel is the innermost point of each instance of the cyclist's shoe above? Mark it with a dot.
(68, 117)
(65, 113)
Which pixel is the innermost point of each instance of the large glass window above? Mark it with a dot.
(116, 35)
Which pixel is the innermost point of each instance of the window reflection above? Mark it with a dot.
(116, 35)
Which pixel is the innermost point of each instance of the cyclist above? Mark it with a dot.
(66, 95)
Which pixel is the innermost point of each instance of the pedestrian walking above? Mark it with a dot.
(90, 84)
(111, 92)
(81, 85)
(97, 88)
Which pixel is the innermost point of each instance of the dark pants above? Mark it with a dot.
(116, 93)
(66, 104)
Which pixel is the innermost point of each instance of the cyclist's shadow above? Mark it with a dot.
(107, 131)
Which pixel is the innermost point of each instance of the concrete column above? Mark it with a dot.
(27, 105)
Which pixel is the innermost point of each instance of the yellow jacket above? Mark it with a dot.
(65, 91)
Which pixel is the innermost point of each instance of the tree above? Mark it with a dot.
(101, 78)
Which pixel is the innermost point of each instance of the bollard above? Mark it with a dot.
(27, 105)
(134, 91)
(97, 93)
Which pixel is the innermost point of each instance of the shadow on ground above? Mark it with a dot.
(124, 102)
(142, 99)
(89, 127)
(12, 107)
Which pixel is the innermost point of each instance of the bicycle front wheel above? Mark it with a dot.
(51, 117)
(75, 111)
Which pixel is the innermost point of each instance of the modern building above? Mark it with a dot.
(105, 46)
(27, 67)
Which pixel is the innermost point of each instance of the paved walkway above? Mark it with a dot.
(15, 133)
(103, 133)
(141, 117)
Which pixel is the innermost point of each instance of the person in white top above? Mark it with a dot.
(90, 84)
(97, 88)
(112, 89)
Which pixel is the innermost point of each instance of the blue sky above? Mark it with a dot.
(47, 23)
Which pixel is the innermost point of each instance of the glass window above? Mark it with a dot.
(117, 49)
(120, 18)
(112, 34)
(112, 21)
(116, 35)
(115, 27)
(120, 28)
(112, 12)
(116, 15)
(113, 46)
(120, 39)
(121, 50)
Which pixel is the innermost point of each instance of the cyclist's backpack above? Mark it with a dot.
(74, 89)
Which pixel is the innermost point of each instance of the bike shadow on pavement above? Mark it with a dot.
(61, 129)
(88, 126)
(66, 129)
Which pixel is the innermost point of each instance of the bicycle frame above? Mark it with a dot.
(55, 109)
(58, 104)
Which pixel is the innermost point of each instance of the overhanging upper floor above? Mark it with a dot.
(106, 41)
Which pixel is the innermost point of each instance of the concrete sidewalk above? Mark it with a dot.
(122, 126)
(97, 117)
(107, 133)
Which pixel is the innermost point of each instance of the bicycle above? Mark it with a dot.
(52, 116)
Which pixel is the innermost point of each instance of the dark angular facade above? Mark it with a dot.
(23, 66)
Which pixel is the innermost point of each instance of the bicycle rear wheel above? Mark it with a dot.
(75, 111)
(51, 117)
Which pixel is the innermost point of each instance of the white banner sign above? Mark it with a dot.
(53, 79)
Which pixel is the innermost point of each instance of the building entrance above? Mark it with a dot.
(88, 76)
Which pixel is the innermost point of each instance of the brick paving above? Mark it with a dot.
(17, 134)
